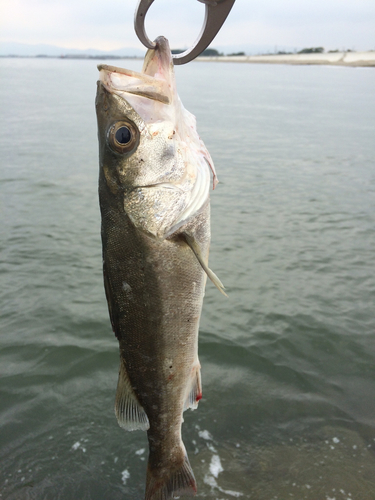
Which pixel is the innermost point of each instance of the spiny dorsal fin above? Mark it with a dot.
(130, 414)
(194, 245)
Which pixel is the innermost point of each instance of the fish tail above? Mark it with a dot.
(180, 481)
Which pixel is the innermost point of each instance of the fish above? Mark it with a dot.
(154, 182)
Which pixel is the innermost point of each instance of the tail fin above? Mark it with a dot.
(181, 481)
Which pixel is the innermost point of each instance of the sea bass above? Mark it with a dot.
(154, 200)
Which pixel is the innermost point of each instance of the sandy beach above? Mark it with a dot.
(354, 59)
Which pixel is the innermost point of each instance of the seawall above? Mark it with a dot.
(354, 59)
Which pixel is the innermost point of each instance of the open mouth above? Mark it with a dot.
(156, 81)
(119, 80)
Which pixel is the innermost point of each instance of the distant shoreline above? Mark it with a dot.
(353, 59)
(71, 56)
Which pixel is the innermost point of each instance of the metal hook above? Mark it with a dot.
(215, 14)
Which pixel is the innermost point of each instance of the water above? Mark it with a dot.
(287, 360)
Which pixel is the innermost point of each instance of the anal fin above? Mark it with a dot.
(195, 394)
(130, 414)
(194, 245)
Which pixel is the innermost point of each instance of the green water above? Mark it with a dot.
(288, 408)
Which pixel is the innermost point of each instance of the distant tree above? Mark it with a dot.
(237, 54)
(312, 50)
(211, 52)
(207, 52)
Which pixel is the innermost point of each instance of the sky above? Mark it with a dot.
(108, 24)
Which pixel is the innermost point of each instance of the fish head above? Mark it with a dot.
(151, 156)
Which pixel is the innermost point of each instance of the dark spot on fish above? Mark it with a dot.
(123, 135)
(198, 397)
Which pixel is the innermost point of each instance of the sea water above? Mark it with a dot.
(288, 408)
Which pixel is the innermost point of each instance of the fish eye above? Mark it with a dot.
(123, 137)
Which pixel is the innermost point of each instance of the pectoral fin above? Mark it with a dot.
(194, 245)
(130, 414)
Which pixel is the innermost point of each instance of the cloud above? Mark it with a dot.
(70, 23)
(292, 22)
(109, 25)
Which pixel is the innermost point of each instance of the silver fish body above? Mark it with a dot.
(153, 191)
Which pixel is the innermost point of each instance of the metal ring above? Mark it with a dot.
(216, 11)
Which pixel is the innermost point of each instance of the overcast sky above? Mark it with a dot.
(108, 24)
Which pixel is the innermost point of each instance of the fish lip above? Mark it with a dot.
(116, 69)
(105, 87)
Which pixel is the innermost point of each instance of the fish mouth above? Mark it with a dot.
(119, 80)
(155, 81)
